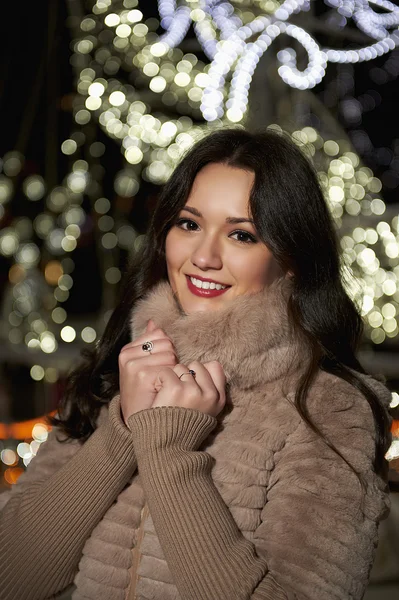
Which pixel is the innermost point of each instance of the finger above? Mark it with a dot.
(150, 326)
(183, 374)
(216, 372)
(161, 345)
(166, 377)
(203, 378)
(167, 358)
(157, 334)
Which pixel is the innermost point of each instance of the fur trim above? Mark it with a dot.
(251, 337)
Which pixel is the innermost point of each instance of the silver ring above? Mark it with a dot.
(189, 372)
(147, 346)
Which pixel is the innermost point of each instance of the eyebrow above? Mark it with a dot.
(230, 220)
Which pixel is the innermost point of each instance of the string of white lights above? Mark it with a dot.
(385, 4)
(166, 10)
(289, 7)
(216, 16)
(210, 17)
(176, 24)
(225, 19)
(213, 16)
(363, 54)
(248, 54)
(317, 64)
(228, 52)
(374, 24)
(238, 97)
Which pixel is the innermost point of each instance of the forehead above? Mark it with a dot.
(222, 187)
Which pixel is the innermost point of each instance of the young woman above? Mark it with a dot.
(222, 441)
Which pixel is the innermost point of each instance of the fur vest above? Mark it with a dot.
(286, 490)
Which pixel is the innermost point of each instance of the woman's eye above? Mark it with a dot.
(244, 237)
(186, 224)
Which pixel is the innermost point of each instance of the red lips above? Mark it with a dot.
(202, 292)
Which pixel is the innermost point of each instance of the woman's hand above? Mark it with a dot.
(204, 392)
(150, 380)
(138, 370)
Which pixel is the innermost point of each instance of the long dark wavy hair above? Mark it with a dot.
(293, 220)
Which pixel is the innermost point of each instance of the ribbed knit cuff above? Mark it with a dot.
(269, 589)
(170, 426)
(118, 435)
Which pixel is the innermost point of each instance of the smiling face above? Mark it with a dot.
(214, 243)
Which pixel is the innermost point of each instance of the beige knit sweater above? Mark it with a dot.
(249, 505)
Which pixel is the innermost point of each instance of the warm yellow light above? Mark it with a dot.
(157, 84)
(168, 129)
(117, 98)
(158, 49)
(112, 20)
(123, 30)
(197, 15)
(234, 115)
(134, 155)
(68, 147)
(182, 79)
(96, 89)
(88, 335)
(59, 315)
(34, 187)
(68, 334)
(134, 16)
(331, 148)
(93, 103)
(151, 69)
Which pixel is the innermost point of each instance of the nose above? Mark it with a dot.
(206, 254)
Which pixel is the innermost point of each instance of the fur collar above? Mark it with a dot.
(251, 337)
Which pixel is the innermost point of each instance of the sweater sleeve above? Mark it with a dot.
(316, 539)
(56, 503)
(205, 550)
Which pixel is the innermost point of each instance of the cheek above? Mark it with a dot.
(254, 269)
(173, 251)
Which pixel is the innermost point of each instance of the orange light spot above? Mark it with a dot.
(11, 475)
(23, 429)
(16, 274)
(53, 272)
(395, 428)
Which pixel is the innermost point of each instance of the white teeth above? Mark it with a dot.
(206, 285)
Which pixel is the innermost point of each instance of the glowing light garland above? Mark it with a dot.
(176, 21)
(235, 45)
(233, 51)
(376, 25)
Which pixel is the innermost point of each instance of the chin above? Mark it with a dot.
(202, 305)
